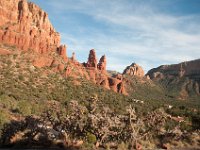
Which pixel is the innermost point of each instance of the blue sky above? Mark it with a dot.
(148, 32)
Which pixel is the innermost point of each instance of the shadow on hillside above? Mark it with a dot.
(29, 133)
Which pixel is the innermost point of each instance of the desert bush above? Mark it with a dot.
(7, 102)
(9, 62)
(21, 77)
(3, 120)
(91, 138)
(98, 125)
(24, 107)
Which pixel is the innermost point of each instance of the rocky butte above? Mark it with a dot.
(27, 28)
(134, 70)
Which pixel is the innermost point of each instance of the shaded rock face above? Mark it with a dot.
(102, 63)
(62, 51)
(26, 26)
(134, 70)
(117, 85)
(92, 60)
(185, 74)
(189, 69)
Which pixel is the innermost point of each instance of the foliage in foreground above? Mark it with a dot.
(96, 126)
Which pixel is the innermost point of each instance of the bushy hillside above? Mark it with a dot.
(29, 91)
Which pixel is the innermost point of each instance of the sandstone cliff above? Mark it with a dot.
(26, 26)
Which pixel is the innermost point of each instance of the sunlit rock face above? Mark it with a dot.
(26, 26)
(134, 70)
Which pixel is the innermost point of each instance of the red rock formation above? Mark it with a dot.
(185, 75)
(102, 63)
(121, 88)
(26, 26)
(99, 75)
(68, 71)
(134, 70)
(61, 67)
(190, 68)
(92, 60)
(118, 76)
(62, 51)
(4, 52)
(42, 61)
(117, 85)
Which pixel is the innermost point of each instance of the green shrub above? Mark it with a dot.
(91, 138)
(38, 108)
(3, 118)
(9, 62)
(7, 102)
(171, 124)
(21, 77)
(122, 146)
(24, 107)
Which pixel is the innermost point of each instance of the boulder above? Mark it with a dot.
(42, 61)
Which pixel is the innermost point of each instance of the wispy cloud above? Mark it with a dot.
(133, 31)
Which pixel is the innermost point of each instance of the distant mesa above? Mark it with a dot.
(183, 78)
(189, 69)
